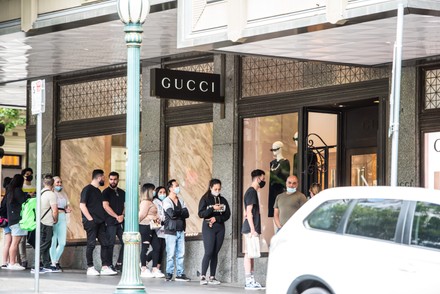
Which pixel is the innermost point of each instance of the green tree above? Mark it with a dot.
(12, 118)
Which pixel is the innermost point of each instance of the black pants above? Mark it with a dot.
(149, 237)
(157, 252)
(112, 232)
(94, 231)
(212, 241)
(45, 243)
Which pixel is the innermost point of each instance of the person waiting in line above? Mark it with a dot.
(251, 226)
(315, 188)
(60, 228)
(7, 238)
(15, 198)
(29, 189)
(176, 214)
(93, 217)
(114, 205)
(147, 215)
(160, 195)
(214, 210)
(49, 217)
(287, 203)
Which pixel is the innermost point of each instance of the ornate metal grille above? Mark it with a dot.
(207, 67)
(92, 99)
(263, 76)
(432, 89)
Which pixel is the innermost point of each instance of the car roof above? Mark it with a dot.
(380, 192)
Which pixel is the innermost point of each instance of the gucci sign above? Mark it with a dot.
(185, 85)
(437, 145)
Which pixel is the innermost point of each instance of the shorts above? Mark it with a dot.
(17, 231)
(6, 230)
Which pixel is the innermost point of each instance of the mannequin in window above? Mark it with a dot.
(279, 171)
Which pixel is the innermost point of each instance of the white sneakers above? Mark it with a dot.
(145, 273)
(157, 273)
(107, 271)
(91, 271)
(15, 267)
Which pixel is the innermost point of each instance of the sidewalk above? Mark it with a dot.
(75, 281)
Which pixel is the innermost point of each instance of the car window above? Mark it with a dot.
(426, 225)
(328, 215)
(375, 218)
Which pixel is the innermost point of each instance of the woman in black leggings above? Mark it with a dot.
(214, 210)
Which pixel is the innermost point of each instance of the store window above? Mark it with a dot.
(190, 163)
(432, 160)
(78, 158)
(259, 135)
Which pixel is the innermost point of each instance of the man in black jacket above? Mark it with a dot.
(176, 214)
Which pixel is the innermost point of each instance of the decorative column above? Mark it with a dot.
(132, 13)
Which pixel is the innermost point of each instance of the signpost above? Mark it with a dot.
(38, 107)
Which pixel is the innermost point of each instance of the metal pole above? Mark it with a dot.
(397, 73)
(38, 206)
(130, 281)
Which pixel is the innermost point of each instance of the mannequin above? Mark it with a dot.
(279, 171)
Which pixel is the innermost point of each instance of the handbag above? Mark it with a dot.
(3, 222)
(253, 246)
(155, 225)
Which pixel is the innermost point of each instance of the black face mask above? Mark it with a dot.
(29, 178)
(262, 184)
(101, 183)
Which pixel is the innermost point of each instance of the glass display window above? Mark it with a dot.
(432, 160)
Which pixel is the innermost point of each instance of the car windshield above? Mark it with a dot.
(328, 215)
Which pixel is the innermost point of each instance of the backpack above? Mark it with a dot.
(28, 214)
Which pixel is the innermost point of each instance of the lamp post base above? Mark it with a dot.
(131, 281)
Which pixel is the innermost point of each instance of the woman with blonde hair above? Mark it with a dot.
(147, 215)
(315, 188)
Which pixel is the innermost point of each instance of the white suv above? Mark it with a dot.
(355, 240)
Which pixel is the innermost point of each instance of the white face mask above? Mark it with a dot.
(215, 193)
(291, 190)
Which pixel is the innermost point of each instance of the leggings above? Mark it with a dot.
(212, 241)
(58, 238)
(149, 236)
(157, 253)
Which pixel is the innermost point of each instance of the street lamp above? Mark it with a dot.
(132, 14)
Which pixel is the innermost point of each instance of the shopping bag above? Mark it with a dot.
(253, 246)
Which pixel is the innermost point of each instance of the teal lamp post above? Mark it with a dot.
(132, 13)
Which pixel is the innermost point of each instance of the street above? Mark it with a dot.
(76, 281)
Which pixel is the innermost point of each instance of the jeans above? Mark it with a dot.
(175, 245)
(59, 238)
(46, 241)
(112, 232)
(94, 231)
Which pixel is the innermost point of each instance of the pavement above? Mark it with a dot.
(76, 281)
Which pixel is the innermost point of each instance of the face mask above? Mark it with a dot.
(215, 193)
(154, 193)
(58, 188)
(101, 183)
(291, 190)
(177, 190)
(262, 184)
(29, 178)
(162, 196)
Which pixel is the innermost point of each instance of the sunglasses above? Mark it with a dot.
(276, 149)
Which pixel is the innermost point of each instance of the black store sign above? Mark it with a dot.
(185, 85)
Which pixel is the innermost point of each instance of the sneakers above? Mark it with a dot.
(41, 271)
(145, 273)
(157, 273)
(168, 277)
(52, 269)
(254, 286)
(182, 278)
(4, 266)
(58, 268)
(24, 264)
(107, 271)
(91, 271)
(15, 267)
(203, 280)
(118, 267)
(213, 281)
